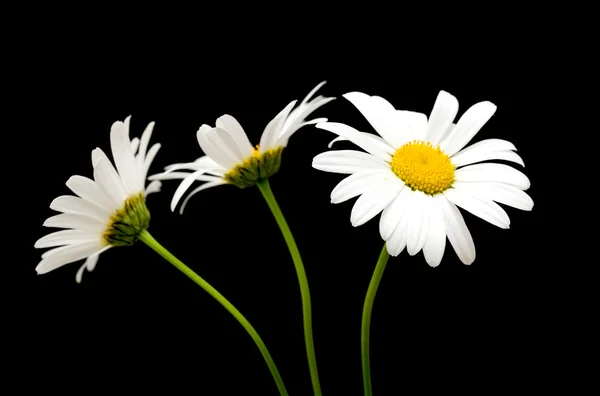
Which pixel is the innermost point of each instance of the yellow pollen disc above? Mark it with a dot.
(422, 167)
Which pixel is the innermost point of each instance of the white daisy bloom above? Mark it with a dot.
(417, 172)
(107, 211)
(230, 157)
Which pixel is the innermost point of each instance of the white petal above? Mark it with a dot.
(146, 135)
(397, 241)
(141, 156)
(443, 113)
(204, 162)
(108, 179)
(273, 129)
(493, 173)
(90, 191)
(186, 183)
(418, 223)
(378, 140)
(377, 148)
(357, 184)
(380, 114)
(456, 229)
(197, 190)
(499, 192)
(313, 91)
(150, 157)
(153, 187)
(90, 263)
(135, 144)
(469, 124)
(372, 202)
(288, 132)
(76, 221)
(182, 175)
(348, 161)
(480, 156)
(435, 244)
(488, 145)
(67, 237)
(296, 119)
(485, 150)
(391, 215)
(169, 176)
(412, 126)
(123, 156)
(213, 151)
(76, 205)
(224, 142)
(65, 255)
(485, 209)
(382, 102)
(337, 139)
(238, 134)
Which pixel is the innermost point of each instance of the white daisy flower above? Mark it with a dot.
(107, 211)
(417, 173)
(231, 159)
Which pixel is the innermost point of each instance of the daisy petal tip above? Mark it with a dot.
(434, 264)
(468, 260)
(353, 94)
(489, 106)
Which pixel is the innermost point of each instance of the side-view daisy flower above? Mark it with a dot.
(417, 172)
(230, 157)
(105, 212)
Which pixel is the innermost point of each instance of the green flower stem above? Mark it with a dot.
(267, 193)
(365, 331)
(158, 248)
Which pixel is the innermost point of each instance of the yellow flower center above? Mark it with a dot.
(422, 167)
(256, 151)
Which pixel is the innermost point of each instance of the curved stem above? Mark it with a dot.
(158, 248)
(265, 189)
(366, 319)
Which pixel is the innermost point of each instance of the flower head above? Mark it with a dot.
(417, 172)
(107, 211)
(230, 157)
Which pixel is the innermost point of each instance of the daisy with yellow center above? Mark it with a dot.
(106, 212)
(417, 173)
(231, 159)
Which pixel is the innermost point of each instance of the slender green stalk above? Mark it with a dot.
(365, 330)
(158, 248)
(267, 193)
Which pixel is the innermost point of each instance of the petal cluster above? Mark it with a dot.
(231, 157)
(86, 216)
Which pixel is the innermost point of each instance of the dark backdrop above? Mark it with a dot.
(137, 324)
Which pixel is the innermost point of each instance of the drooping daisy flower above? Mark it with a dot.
(107, 211)
(230, 157)
(417, 172)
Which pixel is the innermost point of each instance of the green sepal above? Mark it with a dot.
(128, 222)
(255, 169)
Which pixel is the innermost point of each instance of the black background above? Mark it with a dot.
(138, 324)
